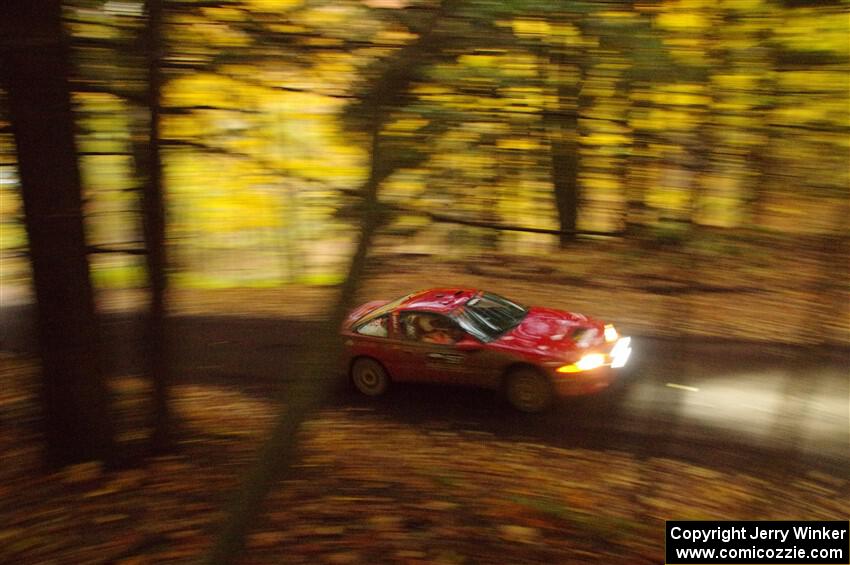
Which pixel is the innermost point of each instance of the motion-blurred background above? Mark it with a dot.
(644, 120)
(678, 167)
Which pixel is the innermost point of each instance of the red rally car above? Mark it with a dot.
(477, 338)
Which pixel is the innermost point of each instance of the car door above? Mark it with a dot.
(427, 356)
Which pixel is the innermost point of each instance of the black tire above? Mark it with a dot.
(369, 377)
(528, 391)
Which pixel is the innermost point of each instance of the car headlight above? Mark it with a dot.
(611, 334)
(586, 363)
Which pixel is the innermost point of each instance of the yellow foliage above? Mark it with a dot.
(565, 30)
(323, 41)
(549, 100)
(296, 136)
(479, 60)
(661, 119)
(529, 27)
(206, 32)
(522, 144)
(431, 90)
(681, 99)
(727, 108)
(247, 144)
(521, 90)
(394, 36)
(407, 124)
(532, 98)
(686, 87)
(605, 139)
(613, 66)
(813, 31)
(600, 182)
(10, 203)
(240, 210)
(336, 65)
(817, 80)
(694, 44)
(97, 100)
(405, 186)
(93, 30)
(595, 160)
(641, 95)
(695, 5)
(800, 114)
(568, 34)
(287, 28)
(743, 5)
(182, 127)
(272, 5)
(197, 89)
(669, 198)
(520, 66)
(224, 14)
(327, 16)
(600, 90)
(681, 20)
(618, 14)
(736, 81)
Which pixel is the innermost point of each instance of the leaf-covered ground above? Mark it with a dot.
(367, 490)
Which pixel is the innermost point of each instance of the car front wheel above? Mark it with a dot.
(528, 391)
(369, 377)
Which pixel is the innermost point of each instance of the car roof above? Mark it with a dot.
(442, 300)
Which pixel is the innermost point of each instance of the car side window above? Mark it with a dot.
(427, 327)
(375, 328)
(408, 326)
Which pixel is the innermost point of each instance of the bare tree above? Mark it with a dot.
(153, 222)
(386, 92)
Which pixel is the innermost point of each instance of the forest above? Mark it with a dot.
(636, 119)
(680, 166)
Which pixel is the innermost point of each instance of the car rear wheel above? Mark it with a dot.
(528, 391)
(369, 377)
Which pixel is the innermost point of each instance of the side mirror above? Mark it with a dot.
(468, 344)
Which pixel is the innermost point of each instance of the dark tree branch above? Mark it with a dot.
(127, 251)
(276, 457)
(450, 219)
(444, 218)
(186, 110)
(96, 88)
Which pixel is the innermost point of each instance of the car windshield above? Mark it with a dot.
(488, 316)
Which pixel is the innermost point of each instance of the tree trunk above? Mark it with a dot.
(762, 155)
(636, 167)
(34, 72)
(317, 379)
(308, 390)
(564, 148)
(153, 223)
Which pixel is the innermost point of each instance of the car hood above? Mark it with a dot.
(547, 331)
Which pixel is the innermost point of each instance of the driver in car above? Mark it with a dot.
(436, 330)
